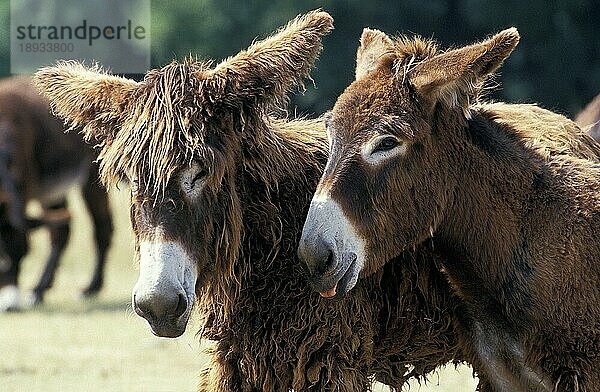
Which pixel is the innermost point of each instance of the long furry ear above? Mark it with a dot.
(374, 44)
(454, 77)
(88, 99)
(268, 69)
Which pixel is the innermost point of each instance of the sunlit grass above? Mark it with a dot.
(101, 345)
(69, 344)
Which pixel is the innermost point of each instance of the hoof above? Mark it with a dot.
(35, 299)
(90, 292)
(10, 299)
(93, 288)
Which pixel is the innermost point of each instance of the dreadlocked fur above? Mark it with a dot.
(272, 332)
(396, 326)
(165, 130)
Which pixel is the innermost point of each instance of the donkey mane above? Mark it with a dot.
(409, 50)
(289, 155)
(164, 129)
(548, 134)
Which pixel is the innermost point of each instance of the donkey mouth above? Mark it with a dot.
(165, 290)
(338, 284)
(169, 326)
(168, 329)
(166, 324)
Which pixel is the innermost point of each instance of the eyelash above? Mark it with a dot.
(201, 174)
(381, 147)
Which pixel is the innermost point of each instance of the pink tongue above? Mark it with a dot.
(329, 293)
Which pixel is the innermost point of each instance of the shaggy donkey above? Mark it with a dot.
(589, 117)
(219, 193)
(508, 193)
(38, 162)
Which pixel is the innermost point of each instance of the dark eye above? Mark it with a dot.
(386, 144)
(200, 175)
(171, 206)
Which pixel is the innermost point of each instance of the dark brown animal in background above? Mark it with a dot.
(589, 118)
(220, 189)
(38, 161)
(509, 194)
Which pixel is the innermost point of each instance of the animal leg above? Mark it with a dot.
(96, 200)
(59, 225)
(13, 247)
(10, 296)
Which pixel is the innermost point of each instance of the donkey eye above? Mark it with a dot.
(191, 180)
(381, 148)
(386, 144)
(200, 175)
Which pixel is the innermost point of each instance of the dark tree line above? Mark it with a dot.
(557, 63)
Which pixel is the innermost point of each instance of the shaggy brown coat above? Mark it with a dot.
(39, 162)
(272, 333)
(508, 193)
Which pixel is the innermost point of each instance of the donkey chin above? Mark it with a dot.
(331, 248)
(336, 282)
(165, 291)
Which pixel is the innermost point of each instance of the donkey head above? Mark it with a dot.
(385, 185)
(178, 138)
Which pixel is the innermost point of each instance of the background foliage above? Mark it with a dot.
(557, 63)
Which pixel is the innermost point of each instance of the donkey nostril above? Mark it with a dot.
(318, 254)
(141, 308)
(328, 264)
(181, 305)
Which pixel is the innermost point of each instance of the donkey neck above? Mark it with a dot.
(493, 180)
(277, 175)
(281, 170)
(284, 149)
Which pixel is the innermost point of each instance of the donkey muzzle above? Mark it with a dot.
(330, 248)
(165, 291)
(163, 312)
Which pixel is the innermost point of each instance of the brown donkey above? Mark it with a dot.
(39, 162)
(509, 194)
(220, 189)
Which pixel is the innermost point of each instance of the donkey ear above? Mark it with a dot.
(454, 77)
(88, 99)
(374, 44)
(268, 69)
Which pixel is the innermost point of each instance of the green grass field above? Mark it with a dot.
(101, 345)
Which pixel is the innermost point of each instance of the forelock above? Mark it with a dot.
(409, 51)
(165, 127)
